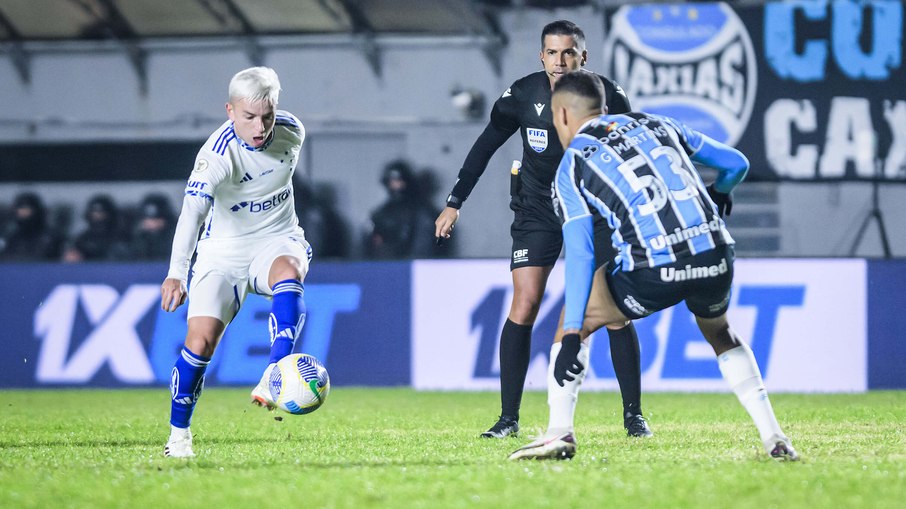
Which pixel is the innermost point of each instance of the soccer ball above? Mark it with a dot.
(299, 384)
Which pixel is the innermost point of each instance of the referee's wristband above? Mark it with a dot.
(454, 202)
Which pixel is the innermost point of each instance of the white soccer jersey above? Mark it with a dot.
(238, 192)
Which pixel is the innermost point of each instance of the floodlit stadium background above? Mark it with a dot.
(118, 96)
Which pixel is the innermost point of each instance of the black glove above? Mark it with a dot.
(724, 201)
(567, 363)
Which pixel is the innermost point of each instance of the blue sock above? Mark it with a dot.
(186, 382)
(287, 317)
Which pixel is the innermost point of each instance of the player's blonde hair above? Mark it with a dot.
(256, 84)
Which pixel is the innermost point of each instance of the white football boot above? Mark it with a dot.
(261, 394)
(179, 445)
(780, 448)
(551, 446)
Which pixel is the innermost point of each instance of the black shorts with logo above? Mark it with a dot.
(703, 281)
(537, 240)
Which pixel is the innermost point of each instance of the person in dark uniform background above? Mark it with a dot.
(104, 238)
(536, 232)
(29, 236)
(154, 229)
(398, 225)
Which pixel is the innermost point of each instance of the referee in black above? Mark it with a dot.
(536, 231)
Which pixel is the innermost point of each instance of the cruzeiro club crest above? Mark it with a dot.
(694, 62)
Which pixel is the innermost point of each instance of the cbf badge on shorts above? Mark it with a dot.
(537, 138)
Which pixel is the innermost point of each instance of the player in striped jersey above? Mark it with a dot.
(240, 196)
(672, 245)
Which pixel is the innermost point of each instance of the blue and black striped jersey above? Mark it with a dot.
(636, 171)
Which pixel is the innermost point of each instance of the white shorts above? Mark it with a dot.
(226, 271)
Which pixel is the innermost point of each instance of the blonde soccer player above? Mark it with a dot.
(239, 197)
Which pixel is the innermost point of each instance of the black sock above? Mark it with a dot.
(624, 350)
(515, 350)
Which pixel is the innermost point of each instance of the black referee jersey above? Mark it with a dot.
(526, 106)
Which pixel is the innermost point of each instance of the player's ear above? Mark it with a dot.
(229, 110)
(584, 58)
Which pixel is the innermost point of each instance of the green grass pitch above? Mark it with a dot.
(397, 448)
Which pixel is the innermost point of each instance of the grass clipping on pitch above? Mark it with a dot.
(398, 448)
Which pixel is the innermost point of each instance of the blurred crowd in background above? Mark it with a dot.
(33, 231)
(402, 227)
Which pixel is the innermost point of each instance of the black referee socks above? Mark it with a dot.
(515, 349)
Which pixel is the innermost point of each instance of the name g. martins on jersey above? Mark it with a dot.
(238, 191)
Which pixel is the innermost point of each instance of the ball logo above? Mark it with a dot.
(310, 370)
(693, 62)
(275, 383)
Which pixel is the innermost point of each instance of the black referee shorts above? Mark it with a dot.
(538, 240)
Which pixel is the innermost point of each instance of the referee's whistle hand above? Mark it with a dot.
(443, 226)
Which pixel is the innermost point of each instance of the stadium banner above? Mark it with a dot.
(436, 324)
(101, 325)
(809, 90)
(806, 321)
(887, 345)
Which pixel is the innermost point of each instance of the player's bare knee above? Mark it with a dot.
(201, 344)
(718, 334)
(203, 335)
(286, 267)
